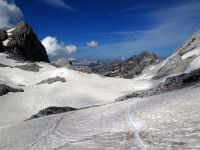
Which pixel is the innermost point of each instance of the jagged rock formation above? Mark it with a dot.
(22, 41)
(52, 80)
(172, 83)
(177, 63)
(129, 68)
(4, 89)
(52, 110)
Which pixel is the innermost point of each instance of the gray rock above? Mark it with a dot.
(30, 67)
(172, 83)
(52, 80)
(3, 35)
(52, 110)
(2, 65)
(4, 89)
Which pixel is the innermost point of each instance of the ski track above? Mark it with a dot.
(50, 130)
(137, 139)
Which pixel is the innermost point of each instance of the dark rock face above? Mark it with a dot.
(2, 49)
(4, 89)
(172, 83)
(3, 35)
(30, 67)
(128, 68)
(52, 110)
(52, 80)
(24, 42)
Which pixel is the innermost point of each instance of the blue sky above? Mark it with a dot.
(102, 29)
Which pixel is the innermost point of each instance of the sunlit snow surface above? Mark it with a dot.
(168, 121)
(80, 90)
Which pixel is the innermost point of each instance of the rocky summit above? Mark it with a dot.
(22, 41)
(129, 68)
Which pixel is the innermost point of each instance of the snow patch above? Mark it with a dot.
(5, 43)
(196, 52)
(195, 64)
(10, 30)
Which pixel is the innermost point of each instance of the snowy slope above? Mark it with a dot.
(167, 121)
(80, 90)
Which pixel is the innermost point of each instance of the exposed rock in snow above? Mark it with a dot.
(172, 83)
(4, 89)
(52, 110)
(52, 80)
(30, 67)
(2, 65)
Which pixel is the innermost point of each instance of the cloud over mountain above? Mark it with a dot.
(55, 48)
(9, 13)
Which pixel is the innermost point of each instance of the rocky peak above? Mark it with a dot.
(181, 60)
(130, 67)
(21, 40)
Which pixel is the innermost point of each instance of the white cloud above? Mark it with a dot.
(55, 48)
(60, 3)
(92, 44)
(9, 13)
(71, 48)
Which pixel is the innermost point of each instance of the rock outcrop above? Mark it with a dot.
(171, 83)
(52, 80)
(4, 89)
(52, 110)
(176, 64)
(21, 40)
(29, 67)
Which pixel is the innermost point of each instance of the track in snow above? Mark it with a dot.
(50, 130)
(137, 139)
